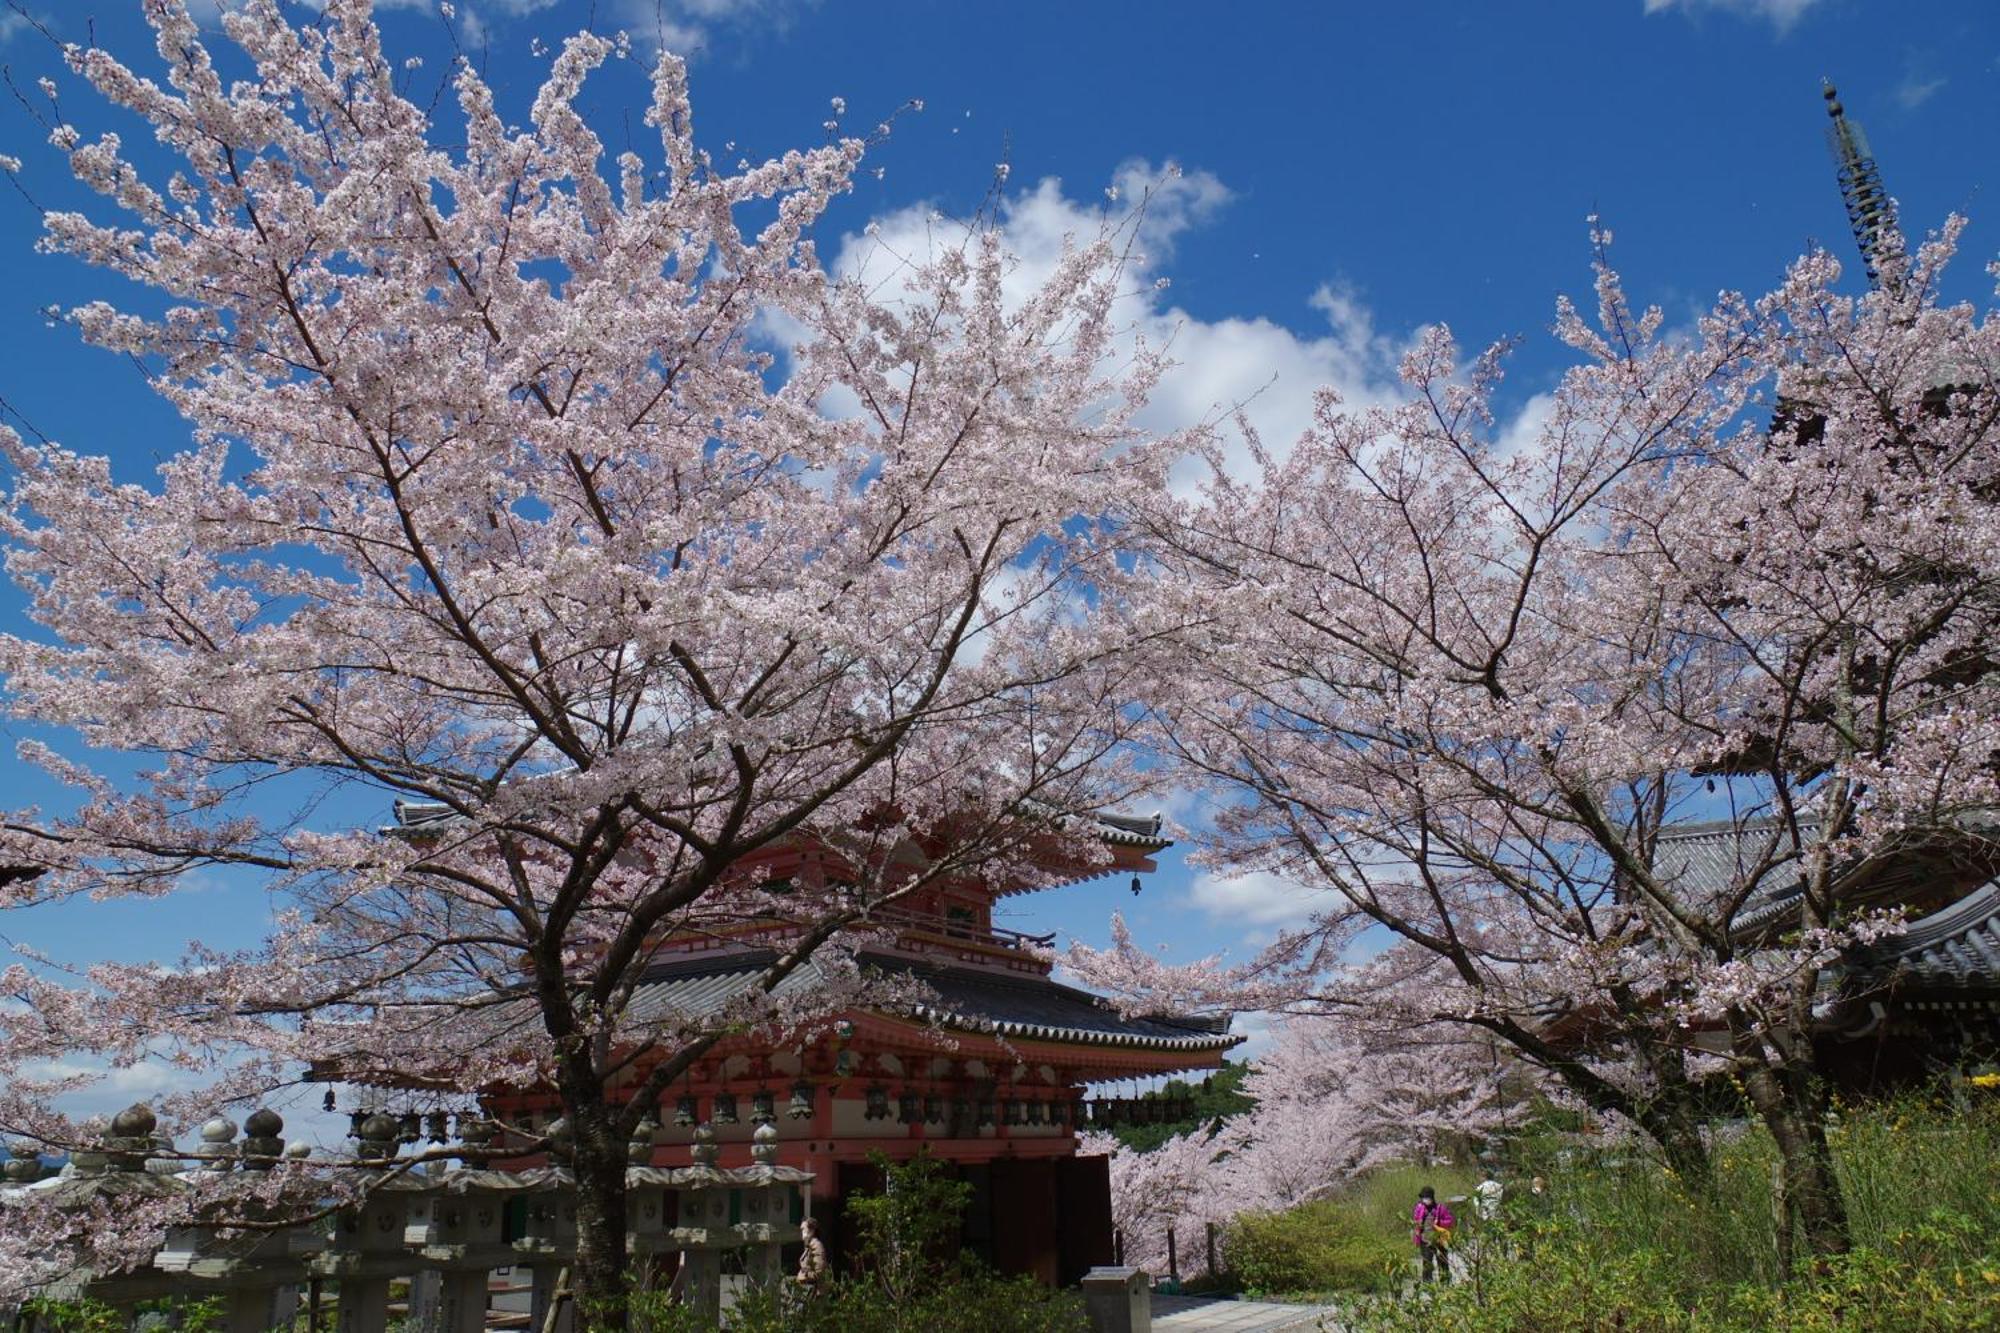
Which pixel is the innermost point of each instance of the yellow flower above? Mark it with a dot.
(1990, 1275)
(1985, 1080)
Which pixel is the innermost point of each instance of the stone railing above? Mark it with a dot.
(441, 1231)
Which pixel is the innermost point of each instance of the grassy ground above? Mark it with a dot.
(1621, 1243)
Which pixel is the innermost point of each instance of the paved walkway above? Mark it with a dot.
(1205, 1314)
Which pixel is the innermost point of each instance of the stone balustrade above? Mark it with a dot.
(256, 1241)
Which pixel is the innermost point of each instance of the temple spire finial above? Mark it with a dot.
(1871, 213)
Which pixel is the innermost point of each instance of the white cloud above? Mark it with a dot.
(12, 25)
(1251, 363)
(1259, 900)
(1780, 14)
(1920, 84)
(688, 26)
(1527, 425)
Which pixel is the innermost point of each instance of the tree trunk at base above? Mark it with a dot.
(1686, 1153)
(1793, 1107)
(599, 1278)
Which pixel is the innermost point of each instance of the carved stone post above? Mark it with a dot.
(367, 1249)
(257, 1272)
(765, 1191)
(702, 1228)
(549, 1243)
(458, 1229)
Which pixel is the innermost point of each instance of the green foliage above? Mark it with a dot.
(1311, 1248)
(79, 1316)
(905, 1234)
(90, 1315)
(966, 1299)
(1215, 1098)
(1620, 1243)
(912, 1280)
(1357, 1240)
(1942, 1276)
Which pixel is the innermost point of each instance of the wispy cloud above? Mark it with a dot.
(1914, 92)
(690, 26)
(1920, 83)
(1258, 900)
(1780, 14)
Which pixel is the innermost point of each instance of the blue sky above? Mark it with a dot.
(1351, 171)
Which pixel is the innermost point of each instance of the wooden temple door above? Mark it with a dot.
(1025, 1218)
(1083, 1216)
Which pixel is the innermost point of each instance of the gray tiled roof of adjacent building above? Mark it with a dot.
(1705, 864)
(1030, 1008)
(1955, 946)
(1111, 829)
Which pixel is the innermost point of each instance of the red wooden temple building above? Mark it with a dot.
(990, 1073)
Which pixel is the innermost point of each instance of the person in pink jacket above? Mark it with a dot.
(1432, 1224)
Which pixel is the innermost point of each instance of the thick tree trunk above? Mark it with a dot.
(1793, 1106)
(601, 1274)
(1677, 1131)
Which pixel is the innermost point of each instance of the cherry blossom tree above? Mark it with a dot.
(1330, 1105)
(1475, 688)
(502, 501)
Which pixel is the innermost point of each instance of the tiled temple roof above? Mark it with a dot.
(1956, 946)
(1703, 863)
(1024, 1007)
(1141, 831)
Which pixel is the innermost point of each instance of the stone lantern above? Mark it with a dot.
(257, 1272)
(459, 1228)
(701, 1229)
(650, 1202)
(764, 1195)
(366, 1248)
(24, 1163)
(131, 1141)
(547, 1243)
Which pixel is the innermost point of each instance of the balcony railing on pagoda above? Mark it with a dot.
(918, 928)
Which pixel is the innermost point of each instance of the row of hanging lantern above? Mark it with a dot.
(909, 1108)
(934, 1109)
(1157, 1110)
(724, 1110)
(435, 1126)
(906, 1108)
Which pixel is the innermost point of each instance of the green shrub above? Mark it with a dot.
(968, 1300)
(911, 1281)
(1316, 1247)
(1620, 1243)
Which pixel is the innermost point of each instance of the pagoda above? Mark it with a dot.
(990, 1071)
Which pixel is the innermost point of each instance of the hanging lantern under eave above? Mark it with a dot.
(801, 1105)
(684, 1111)
(909, 1109)
(877, 1102)
(1035, 1113)
(933, 1110)
(724, 1111)
(763, 1107)
(437, 1126)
